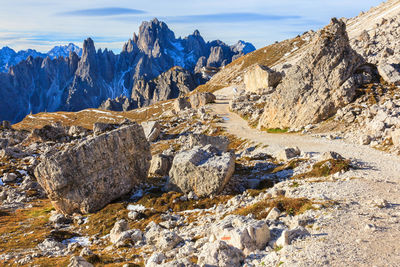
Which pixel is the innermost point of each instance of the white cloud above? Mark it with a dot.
(37, 23)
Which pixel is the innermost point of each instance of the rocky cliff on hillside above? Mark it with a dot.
(73, 83)
(322, 81)
(173, 83)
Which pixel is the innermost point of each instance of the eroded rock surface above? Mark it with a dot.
(87, 176)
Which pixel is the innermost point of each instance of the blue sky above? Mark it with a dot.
(41, 24)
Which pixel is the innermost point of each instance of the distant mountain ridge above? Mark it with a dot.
(9, 57)
(74, 83)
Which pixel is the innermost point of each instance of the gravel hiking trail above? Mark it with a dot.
(357, 232)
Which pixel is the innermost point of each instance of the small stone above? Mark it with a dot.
(9, 178)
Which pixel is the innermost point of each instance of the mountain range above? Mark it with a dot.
(9, 57)
(74, 83)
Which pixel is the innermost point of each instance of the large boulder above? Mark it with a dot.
(261, 77)
(203, 170)
(87, 176)
(201, 99)
(322, 81)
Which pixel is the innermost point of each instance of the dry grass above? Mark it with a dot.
(325, 168)
(86, 118)
(103, 221)
(24, 228)
(291, 206)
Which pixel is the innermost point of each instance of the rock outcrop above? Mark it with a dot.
(318, 85)
(152, 130)
(261, 77)
(121, 103)
(203, 170)
(173, 83)
(201, 99)
(87, 176)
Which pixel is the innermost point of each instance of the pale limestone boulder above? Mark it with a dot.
(78, 261)
(288, 153)
(152, 130)
(390, 73)
(201, 99)
(242, 232)
(160, 165)
(203, 170)
(87, 176)
(219, 253)
(259, 77)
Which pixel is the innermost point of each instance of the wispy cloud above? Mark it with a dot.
(228, 18)
(102, 12)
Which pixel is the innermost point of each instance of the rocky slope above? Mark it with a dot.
(219, 192)
(73, 83)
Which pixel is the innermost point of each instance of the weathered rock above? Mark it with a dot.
(52, 248)
(100, 127)
(288, 153)
(121, 103)
(390, 73)
(319, 83)
(152, 130)
(171, 84)
(13, 152)
(78, 261)
(58, 218)
(120, 233)
(87, 176)
(274, 214)
(54, 132)
(182, 103)
(3, 143)
(242, 232)
(76, 130)
(396, 137)
(202, 170)
(155, 260)
(259, 78)
(289, 235)
(220, 254)
(219, 142)
(201, 99)
(161, 238)
(160, 165)
(9, 178)
(330, 155)
(6, 124)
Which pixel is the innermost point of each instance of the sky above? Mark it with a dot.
(42, 24)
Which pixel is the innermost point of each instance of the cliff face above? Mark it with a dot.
(73, 83)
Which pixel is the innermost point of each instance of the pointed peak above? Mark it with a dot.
(196, 33)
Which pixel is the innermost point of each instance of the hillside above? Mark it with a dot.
(286, 157)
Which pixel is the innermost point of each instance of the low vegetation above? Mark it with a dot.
(291, 206)
(325, 168)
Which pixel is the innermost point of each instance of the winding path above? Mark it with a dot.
(357, 233)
